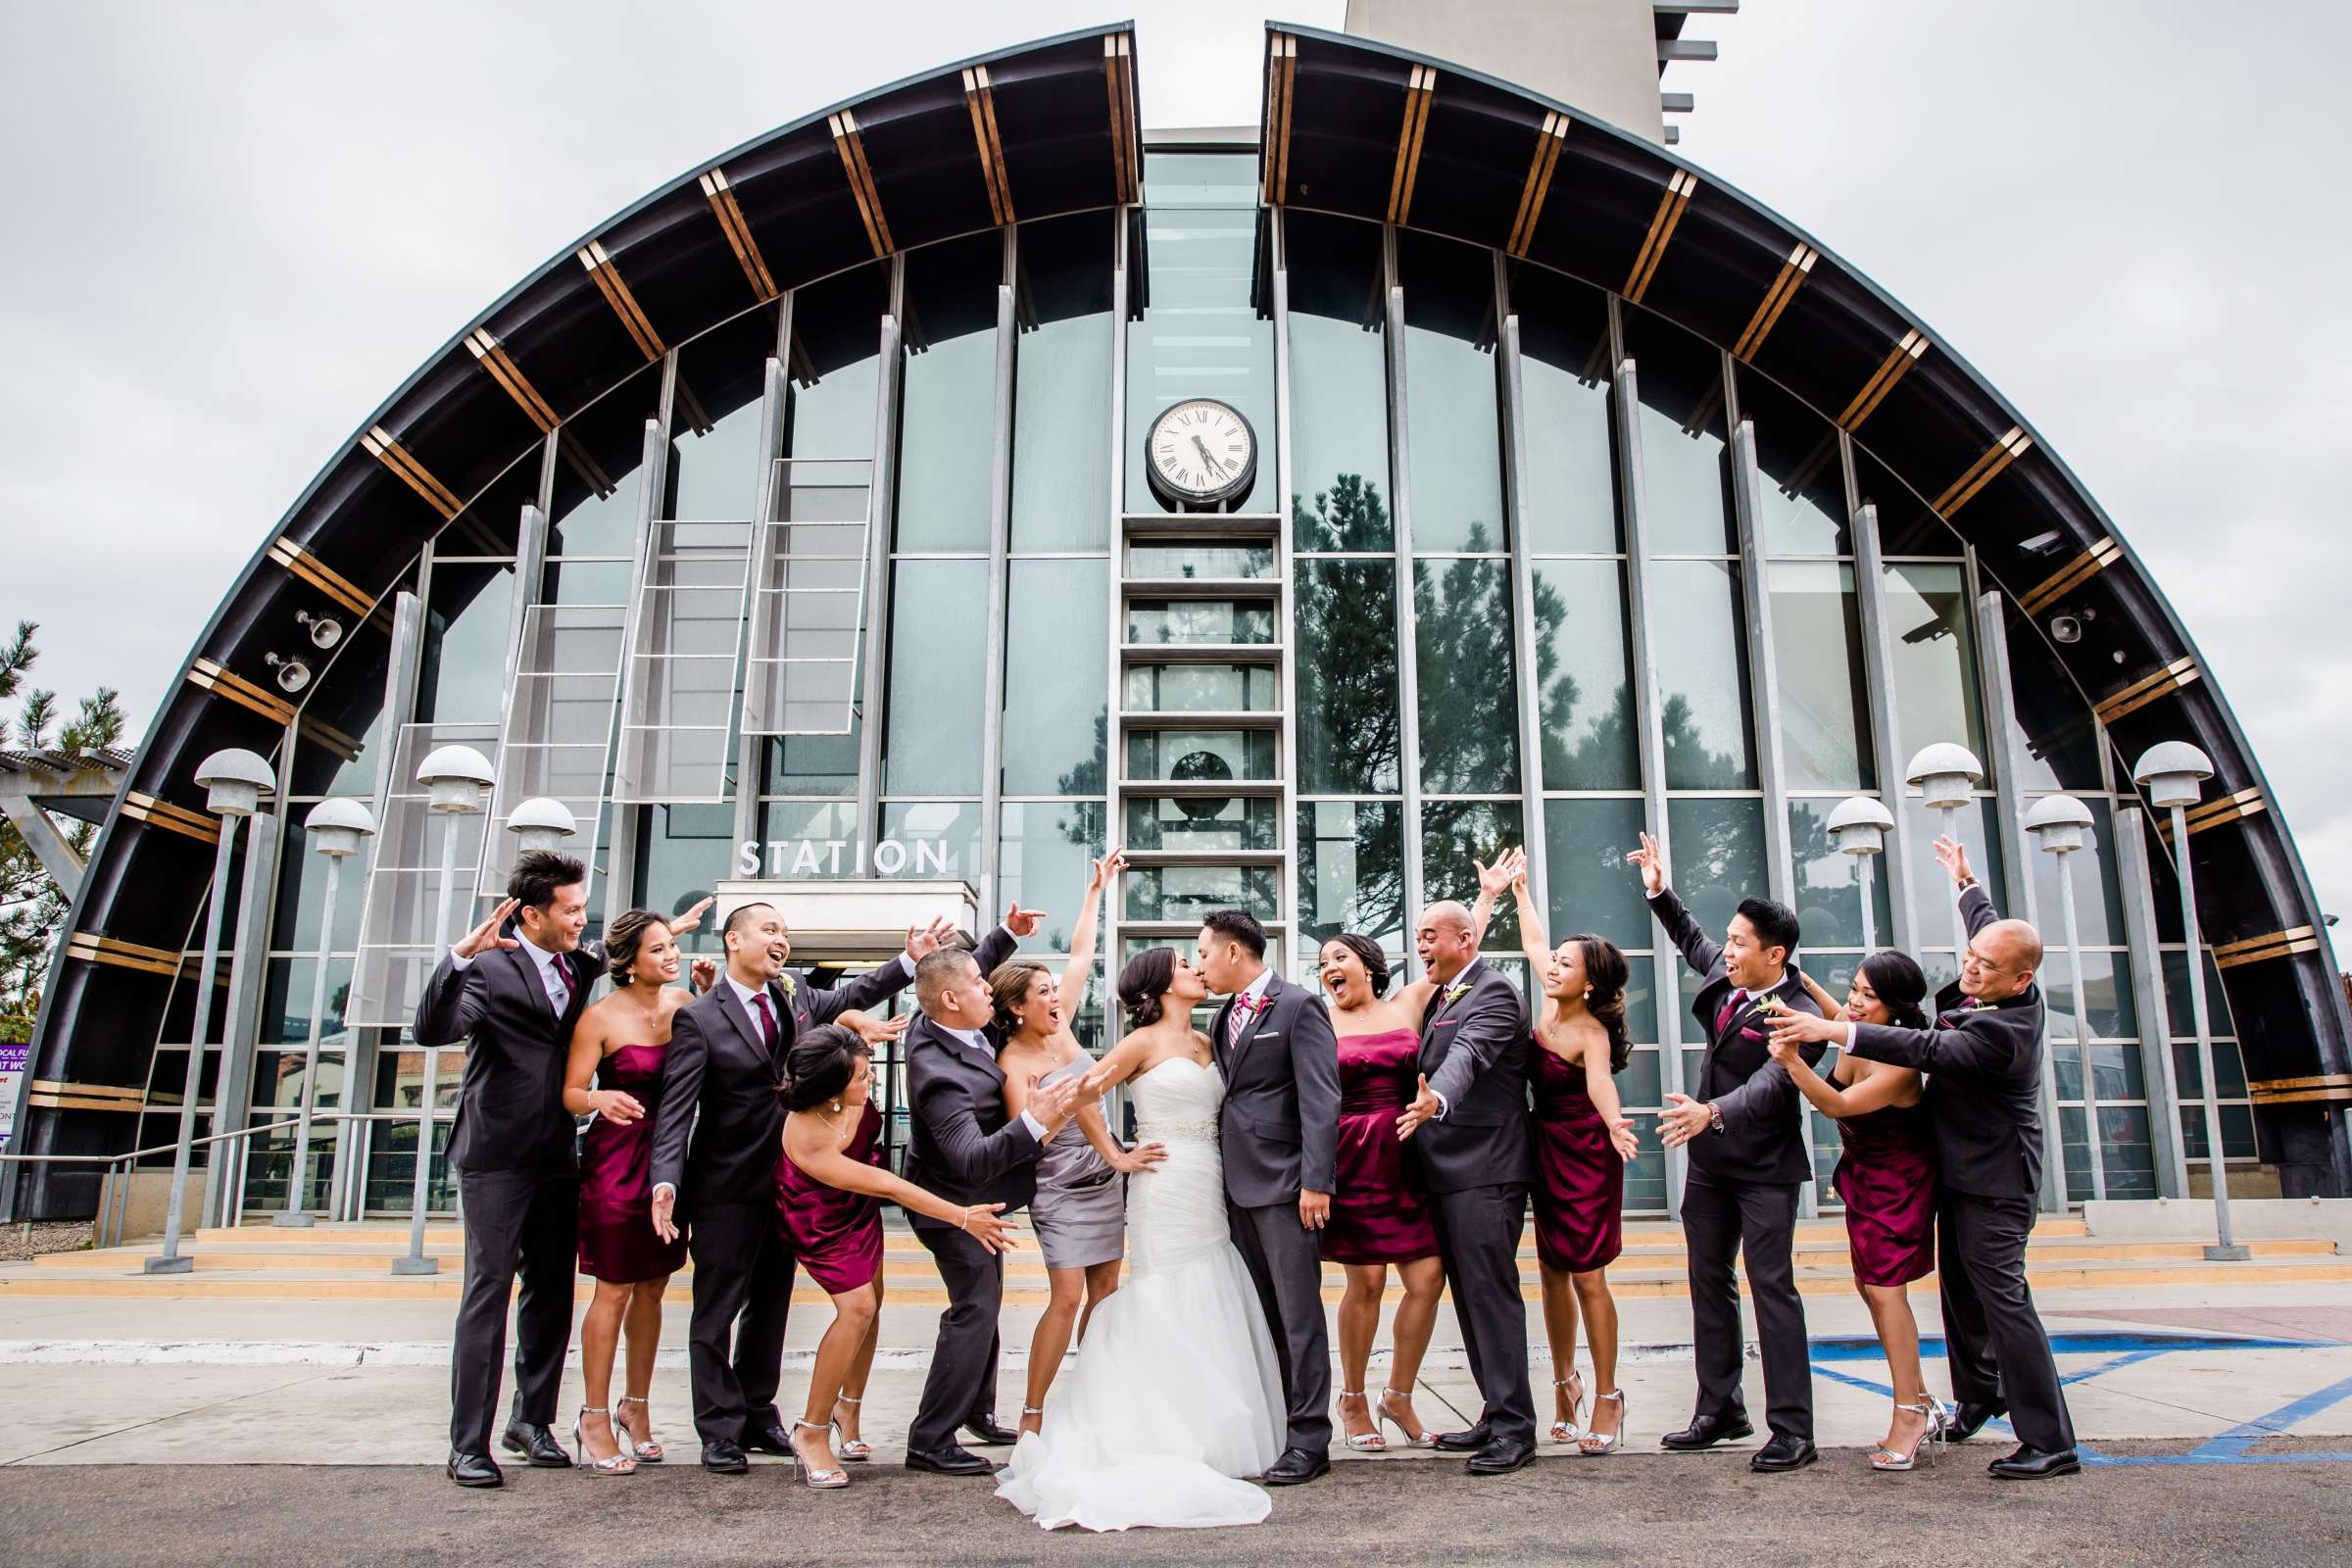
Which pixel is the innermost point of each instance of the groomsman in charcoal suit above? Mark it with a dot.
(716, 1138)
(1279, 1132)
(1982, 1058)
(1468, 1125)
(1745, 1133)
(965, 1149)
(513, 994)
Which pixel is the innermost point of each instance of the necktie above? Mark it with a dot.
(768, 1021)
(1949, 1020)
(1244, 1009)
(559, 992)
(1729, 1008)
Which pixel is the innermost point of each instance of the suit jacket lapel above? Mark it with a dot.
(1216, 1040)
(1447, 997)
(741, 1018)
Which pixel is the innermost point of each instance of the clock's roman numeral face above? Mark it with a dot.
(1200, 449)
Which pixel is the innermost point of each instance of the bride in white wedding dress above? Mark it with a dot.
(1176, 1393)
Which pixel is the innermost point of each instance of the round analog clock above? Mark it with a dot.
(1201, 453)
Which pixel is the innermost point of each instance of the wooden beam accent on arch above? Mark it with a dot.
(1282, 73)
(140, 806)
(2013, 443)
(1679, 188)
(1419, 88)
(494, 358)
(980, 99)
(847, 142)
(616, 289)
(1792, 275)
(2141, 693)
(308, 567)
(723, 207)
(2213, 813)
(2263, 948)
(1892, 369)
(1126, 149)
(208, 676)
(1538, 184)
(379, 444)
(2067, 578)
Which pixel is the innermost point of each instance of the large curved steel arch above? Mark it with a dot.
(1025, 132)
(1378, 132)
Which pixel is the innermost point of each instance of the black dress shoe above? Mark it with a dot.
(725, 1458)
(1470, 1441)
(1296, 1465)
(769, 1439)
(537, 1444)
(948, 1461)
(2030, 1464)
(1500, 1457)
(475, 1470)
(1786, 1452)
(1705, 1430)
(988, 1435)
(1968, 1417)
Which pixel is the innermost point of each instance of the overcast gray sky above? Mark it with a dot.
(235, 228)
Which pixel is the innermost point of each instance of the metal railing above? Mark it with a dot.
(107, 1226)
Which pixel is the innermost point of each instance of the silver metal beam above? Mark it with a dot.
(999, 588)
(49, 845)
(2017, 867)
(1886, 735)
(1286, 606)
(1400, 521)
(879, 528)
(1114, 742)
(1763, 667)
(2137, 887)
(620, 866)
(1649, 731)
(1528, 694)
(1671, 50)
(233, 1095)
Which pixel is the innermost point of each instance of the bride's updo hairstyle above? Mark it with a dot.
(1148, 977)
(819, 1067)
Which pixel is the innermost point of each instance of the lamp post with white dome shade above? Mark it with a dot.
(541, 823)
(2172, 774)
(1946, 774)
(456, 780)
(339, 828)
(1858, 828)
(234, 782)
(2058, 822)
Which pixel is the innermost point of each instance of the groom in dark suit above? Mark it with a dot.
(1469, 1127)
(716, 1136)
(513, 994)
(1279, 1132)
(1745, 1133)
(964, 1149)
(1984, 1102)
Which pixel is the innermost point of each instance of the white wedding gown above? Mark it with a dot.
(1175, 1393)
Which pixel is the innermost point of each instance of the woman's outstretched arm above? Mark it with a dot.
(1878, 1090)
(1101, 876)
(809, 1141)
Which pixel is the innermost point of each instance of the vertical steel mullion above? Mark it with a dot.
(999, 554)
(1763, 664)
(346, 1179)
(880, 523)
(1886, 735)
(240, 1034)
(1998, 713)
(1400, 520)
(1650, 736)
(2135, 883)
(1285, 606)
(1528, 690)
(1115, 731)
(760, 609)
(622, 868)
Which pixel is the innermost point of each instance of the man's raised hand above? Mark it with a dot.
(482, 938)
(1023, 922)
(1952, 855)
(923, 940)
(1652, 865)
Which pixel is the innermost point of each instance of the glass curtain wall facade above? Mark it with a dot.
(1522, 563)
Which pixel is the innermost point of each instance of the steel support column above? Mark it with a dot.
(879, 526)
(1885, 734)
(1400, 516)
(999, 588)
(1527, 694)
(2137, 888)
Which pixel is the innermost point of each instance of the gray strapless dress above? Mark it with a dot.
(1080, 1210)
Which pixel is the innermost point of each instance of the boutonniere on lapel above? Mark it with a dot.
(791, 988)
(1251, 1007)
(1456, 991)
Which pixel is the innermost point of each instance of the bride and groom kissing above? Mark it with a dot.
(1211, 1363)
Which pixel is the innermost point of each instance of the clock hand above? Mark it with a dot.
(1215, 465)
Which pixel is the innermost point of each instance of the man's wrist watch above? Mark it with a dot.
(1715, 1116)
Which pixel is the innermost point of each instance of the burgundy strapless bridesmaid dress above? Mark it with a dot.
(837, 1235)
(1888, 1180)
(618, 1244)
(1580, 1179)
(1377, 1215)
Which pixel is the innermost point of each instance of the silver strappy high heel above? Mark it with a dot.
(1595, 1443)
(1411, 1442)
(620, 1464)
(851, 1450)
(1930, 1439)
(645, 1449)
(1572, 1428)
(1364, 1442)
(821, 1479)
